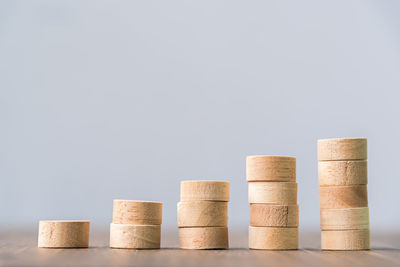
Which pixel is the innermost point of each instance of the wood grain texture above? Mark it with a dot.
(19, 248)
(277, 193)
(345, 219)
(135, 236)
(137, 212)
(273, 238)
(271, 168)
(63, 234)
(202, 214)
(274, 215)
(204, 238)
(342, 149)
(204, 190)
(342, 172)
(345, 240)
(337, 197)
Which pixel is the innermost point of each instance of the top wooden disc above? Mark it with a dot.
(204, 190)
(271, 168)
(137, 212)
(342, 149)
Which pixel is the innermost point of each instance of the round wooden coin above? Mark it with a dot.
(273, 238)
(202, 214)
(204, 190)
(271, 168)
(345, 240)
(63, 234)
(135, 236)
(342, 149)
(342, 172)
(337, 197)
(137, 212)
(345, 219)
(277, 193)
(274, 215)
(204, 238)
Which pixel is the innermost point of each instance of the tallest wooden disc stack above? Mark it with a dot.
(342, 174)
(274, 213)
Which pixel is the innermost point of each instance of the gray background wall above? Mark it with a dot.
(124, 99)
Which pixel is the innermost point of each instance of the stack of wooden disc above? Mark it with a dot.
(342, 174)
(136, 224)
(203, 215)
(274, 213)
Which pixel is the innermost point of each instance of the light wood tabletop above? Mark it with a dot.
(20, 249)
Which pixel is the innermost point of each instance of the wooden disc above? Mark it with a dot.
(271, 168)
(277, 193)
(135, 236)
(343, 172)
(273, 238)
(274, 215)
(338, 197)
(345, 219)
(137, 212)
(342, 149)
(204, 238)
(63, 234)
(204, 190)
(202, 213)
(345, 240)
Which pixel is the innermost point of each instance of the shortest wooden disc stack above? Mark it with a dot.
(274, 213)
(136, 224)
(203, 215)
(63, 234)
(343, 178)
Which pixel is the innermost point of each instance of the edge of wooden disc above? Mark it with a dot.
(63, 234)
(345, 219)
(277, 193)
(202, 214)
(345, 240)
(204, 238)
(195, 190)
(135, 236)
(347, 196)
(273, 238)
(271, 168)
(342, 149)
(274, 215)
(137, 212)
(345, 172)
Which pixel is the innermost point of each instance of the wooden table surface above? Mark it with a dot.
(20, 249)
